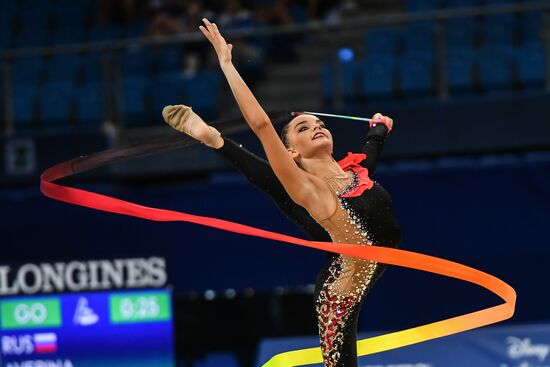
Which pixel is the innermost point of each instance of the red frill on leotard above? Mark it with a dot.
(351, 161)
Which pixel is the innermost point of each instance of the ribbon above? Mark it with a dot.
(385, 255)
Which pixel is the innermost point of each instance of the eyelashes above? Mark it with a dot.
(303, 128)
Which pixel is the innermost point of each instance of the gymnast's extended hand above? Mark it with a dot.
(252, 112)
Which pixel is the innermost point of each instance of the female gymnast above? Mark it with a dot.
(331, 201)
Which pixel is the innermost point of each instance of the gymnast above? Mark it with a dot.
(330, 201)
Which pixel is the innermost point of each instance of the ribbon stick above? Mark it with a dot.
(331, 115)
(385, 255)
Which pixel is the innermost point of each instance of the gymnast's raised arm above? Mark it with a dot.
(302, 187)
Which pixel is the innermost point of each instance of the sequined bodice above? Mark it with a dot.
(365, 218)
(346, 226)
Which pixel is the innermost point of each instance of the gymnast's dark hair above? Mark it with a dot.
(284, 134)
(281, 117)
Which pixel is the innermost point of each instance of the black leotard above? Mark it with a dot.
(343, 282)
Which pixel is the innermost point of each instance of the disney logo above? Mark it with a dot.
(519, 348)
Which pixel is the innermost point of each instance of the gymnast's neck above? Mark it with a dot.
(320, 165)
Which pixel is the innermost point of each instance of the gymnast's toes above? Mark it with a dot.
(166, 112)
(176, 116)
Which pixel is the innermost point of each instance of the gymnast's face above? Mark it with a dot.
(307, 136)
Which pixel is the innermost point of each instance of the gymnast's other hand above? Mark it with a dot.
(183, 119)
(212, 33)
(381, 119)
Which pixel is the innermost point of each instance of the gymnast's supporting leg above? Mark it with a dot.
(338, 318)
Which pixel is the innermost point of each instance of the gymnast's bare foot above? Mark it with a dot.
(183, 119)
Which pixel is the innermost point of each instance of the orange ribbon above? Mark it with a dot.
(379, 254)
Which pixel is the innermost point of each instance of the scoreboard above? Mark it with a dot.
(111, 329)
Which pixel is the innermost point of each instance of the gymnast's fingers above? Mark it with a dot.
(389, 121)
(206, 33)
(216, 30)
(208, 25)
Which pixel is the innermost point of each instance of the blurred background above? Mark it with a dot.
(468, 166)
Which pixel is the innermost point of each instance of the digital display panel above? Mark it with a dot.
(116, 328)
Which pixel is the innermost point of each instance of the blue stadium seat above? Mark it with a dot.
(495, 65)
(69, 15)
(89, 104)
(33, 25)
(460, 67)
(5, 40)
(31, 38)
(299, 14)
(461, 32)
(417, 75)
(24, 103)
(167, 88)
(202, 93)
(220, 360)
(34, 17)
(235, 23)
(27, 70)
(91, 67)
(62, 36)
(499, 2)
(101, 33)
(33, 30)
(262, 42)
(55, 102)
(455, 4)
(135, 100)
(135, 29)
(532, 64)
(421, 5)
(168, 58)
(499, 29)
(8, 7)
(327, 76)
(88, 5)
(6, 29)
(382, 41)
(64, 67)
(350, 76)
(137, 62)
(420, 37)
(2, 102)
(378, 75)
(531, 26)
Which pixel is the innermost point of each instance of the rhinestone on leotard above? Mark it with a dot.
(343, 289)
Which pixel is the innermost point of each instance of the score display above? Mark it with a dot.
(117, 328)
